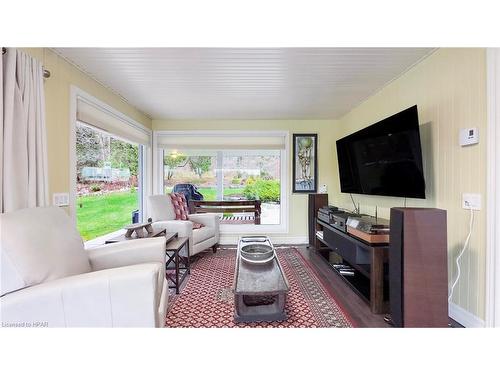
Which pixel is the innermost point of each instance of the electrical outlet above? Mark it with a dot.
(60, 199)
(471, 200)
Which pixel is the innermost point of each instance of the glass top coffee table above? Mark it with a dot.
(260, 285)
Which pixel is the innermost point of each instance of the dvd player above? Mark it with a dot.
(325, 213)
(339, 220)
(324, 216)
(336, 217)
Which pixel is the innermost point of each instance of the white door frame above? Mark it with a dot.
(493, 195)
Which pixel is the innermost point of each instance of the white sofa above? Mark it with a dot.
(162, 214)
(49, 279)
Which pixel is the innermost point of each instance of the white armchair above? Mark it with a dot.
(162, 213)
(49, 279)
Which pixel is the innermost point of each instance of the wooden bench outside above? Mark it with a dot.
(221, 207)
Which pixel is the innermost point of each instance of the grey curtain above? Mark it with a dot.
(23, 156)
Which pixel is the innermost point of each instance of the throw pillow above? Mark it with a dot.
(181, 209)
(180, 206)
(197, 225)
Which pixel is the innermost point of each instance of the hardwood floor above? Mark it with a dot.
(351, 303)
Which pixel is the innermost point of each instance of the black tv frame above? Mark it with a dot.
(371, 129)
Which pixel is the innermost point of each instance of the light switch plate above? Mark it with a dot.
(323, 189)
(60, 199)
(471, 200)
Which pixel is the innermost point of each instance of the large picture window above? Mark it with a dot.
(229, 175)
(107, 182)
(240, 175)
(110, 168)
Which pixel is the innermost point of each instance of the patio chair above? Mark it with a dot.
(162, 215)
(189, 190)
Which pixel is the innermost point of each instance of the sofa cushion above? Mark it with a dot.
(38, 245)
(202, 234)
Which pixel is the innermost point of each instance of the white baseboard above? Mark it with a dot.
(228, 239)
(464, 317)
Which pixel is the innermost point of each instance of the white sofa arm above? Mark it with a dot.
(119, 297)
(184, 228)
(208, 220)
(127, 253)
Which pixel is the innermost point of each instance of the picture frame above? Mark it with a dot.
(305, 163)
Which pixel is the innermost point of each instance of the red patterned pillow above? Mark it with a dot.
(181, 209)
(180, 206)
(197, 225)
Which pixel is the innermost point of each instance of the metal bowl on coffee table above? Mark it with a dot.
(260, 285)
(257, 253)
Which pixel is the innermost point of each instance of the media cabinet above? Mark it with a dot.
(370, 262)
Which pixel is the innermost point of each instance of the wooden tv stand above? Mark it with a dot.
(370, 262)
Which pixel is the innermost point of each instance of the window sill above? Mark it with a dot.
(224, 229)
(99, 241)
(252, 228)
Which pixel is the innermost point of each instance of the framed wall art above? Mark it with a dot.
(305, 163)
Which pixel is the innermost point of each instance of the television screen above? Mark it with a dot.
(384, 158)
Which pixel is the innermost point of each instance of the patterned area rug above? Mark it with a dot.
(206, 300)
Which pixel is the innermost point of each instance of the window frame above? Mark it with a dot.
(230, 229)
(145, 152)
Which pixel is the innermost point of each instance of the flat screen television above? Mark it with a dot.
(384, 158)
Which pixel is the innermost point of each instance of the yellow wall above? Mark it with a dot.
(328, 173)
(57, 98)
(449, 88)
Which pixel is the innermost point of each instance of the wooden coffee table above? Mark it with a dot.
(259, 289)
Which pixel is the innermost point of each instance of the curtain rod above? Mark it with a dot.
(46, 73)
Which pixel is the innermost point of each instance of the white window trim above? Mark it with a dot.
(493, 183)
(78, 94)
(283, 227)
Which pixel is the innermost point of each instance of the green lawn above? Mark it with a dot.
(210, 194)
(101, 214)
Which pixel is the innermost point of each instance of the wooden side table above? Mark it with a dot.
(173, 249)
(156, 233)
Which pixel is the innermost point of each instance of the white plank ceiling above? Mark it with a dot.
(244, 83)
